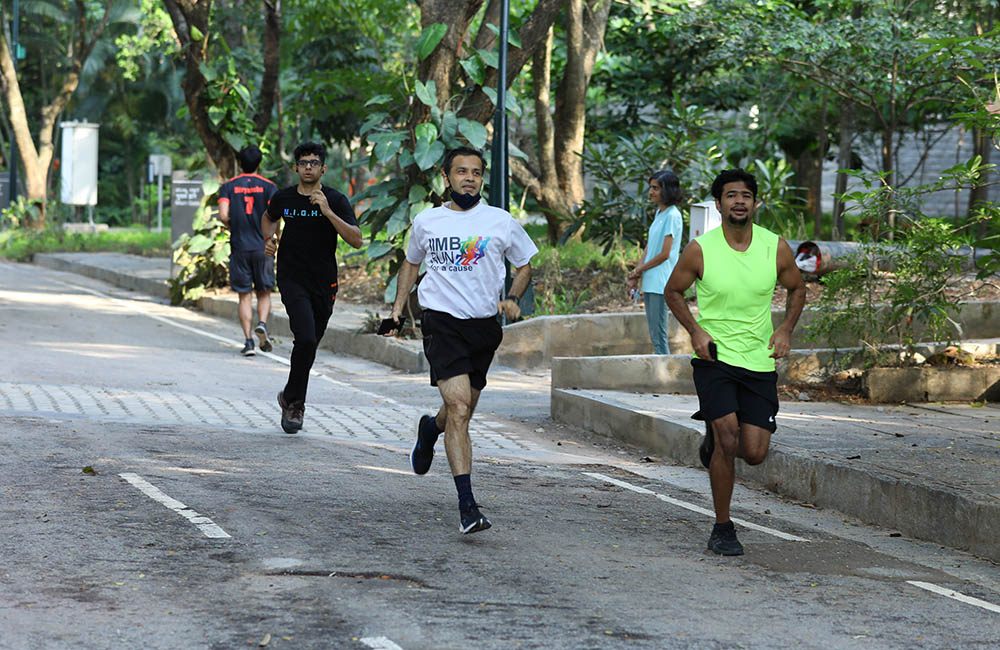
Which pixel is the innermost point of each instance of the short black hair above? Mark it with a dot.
(461, 151)
(307, 148)
(249, 158)
(734, 176)
(670, 186)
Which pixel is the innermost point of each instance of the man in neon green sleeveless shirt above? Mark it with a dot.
(735, 269)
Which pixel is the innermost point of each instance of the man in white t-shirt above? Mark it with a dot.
(463, 243)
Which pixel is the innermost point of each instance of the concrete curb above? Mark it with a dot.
(152, 285)
(341, 337)
(912, 505)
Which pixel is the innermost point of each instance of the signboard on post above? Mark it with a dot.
(159, 166)
(4, 190)
(185, 199)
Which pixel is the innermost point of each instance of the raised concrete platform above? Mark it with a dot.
(930, 472)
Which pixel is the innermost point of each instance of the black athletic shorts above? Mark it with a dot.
(724, 389)
(459, 346)
(250, 270)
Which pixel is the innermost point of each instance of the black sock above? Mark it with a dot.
(723, 527)
(250, 342)
(463, 483)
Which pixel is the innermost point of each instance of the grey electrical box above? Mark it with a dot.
(79, 163)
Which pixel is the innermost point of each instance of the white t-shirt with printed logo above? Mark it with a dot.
(464, 252)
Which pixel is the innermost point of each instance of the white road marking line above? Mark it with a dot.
(950, 593)
(195, 330)
(380, 643)
(204, 524)
(694, 508)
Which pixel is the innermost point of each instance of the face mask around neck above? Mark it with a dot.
(465, 201)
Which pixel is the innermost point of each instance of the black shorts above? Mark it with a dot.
(459, 346)
(724, 389)
(250, 271)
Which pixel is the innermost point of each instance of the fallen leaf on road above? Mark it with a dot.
(265, 640)
(89, 470)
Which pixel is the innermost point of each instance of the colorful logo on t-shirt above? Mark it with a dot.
(454, 253)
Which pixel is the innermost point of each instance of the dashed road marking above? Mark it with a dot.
(380, 643)
(208, 527)
(694, 508)
(951, 593)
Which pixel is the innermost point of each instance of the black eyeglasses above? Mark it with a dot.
(309, 163)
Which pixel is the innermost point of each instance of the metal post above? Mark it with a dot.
(499, 170)
(159, 200)
(12, 165)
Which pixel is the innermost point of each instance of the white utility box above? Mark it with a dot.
(704, 217)
(79, 163)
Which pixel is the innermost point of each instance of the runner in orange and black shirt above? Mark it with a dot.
(315, 216)
(242, 201)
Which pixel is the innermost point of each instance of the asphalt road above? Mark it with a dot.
(199, 524)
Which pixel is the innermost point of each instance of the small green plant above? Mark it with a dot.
(893, 290)
(203, 256)
(561, 301)
(21, 213)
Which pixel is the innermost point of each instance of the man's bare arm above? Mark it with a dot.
(688, 269)
(522, 276)
(790, 278)
(224, 213)
(404, 284)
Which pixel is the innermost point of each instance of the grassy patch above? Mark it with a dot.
(21, 245)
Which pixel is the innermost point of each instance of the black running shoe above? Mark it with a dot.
(423, 449)
(723, 540)
(261, 332)
(247, 350)
(707, 446)
(291, 414)
(473, 521)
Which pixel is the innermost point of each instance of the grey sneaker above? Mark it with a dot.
(247, 350)
(261, 332)
(291, 414)
(723, 540)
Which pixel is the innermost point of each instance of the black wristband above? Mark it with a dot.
(511, 296)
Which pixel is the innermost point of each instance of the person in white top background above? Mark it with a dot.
(663, 247)
(464, 243)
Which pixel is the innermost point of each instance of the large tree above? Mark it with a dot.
(80, 28)
(204, 42)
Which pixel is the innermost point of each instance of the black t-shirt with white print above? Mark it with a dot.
(308, 251)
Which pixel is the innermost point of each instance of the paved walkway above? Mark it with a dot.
(928, 470)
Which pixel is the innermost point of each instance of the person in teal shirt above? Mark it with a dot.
(663, 246)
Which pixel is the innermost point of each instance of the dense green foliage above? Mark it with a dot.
(21, 244)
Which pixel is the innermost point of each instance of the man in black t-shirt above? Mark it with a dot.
(242, 201)
(314, 216)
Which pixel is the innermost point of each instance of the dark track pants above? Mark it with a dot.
(308, 313)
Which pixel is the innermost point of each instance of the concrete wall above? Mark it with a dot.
(534, 342)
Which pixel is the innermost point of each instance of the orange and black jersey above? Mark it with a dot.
(248, 196)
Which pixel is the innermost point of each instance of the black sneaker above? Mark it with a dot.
(423, 449)
(723, 540)
(247, 350)
(291, 414)
(261, 332)
(707, 446)
(473, 521)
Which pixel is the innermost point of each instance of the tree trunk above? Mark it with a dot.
(191, 24)
(980, 194)
(545, 184)
(843, 162)
(272, 53)
(38, 160)
(439, 66)
(584, 36)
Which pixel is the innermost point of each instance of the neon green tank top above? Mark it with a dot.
(734, 297)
